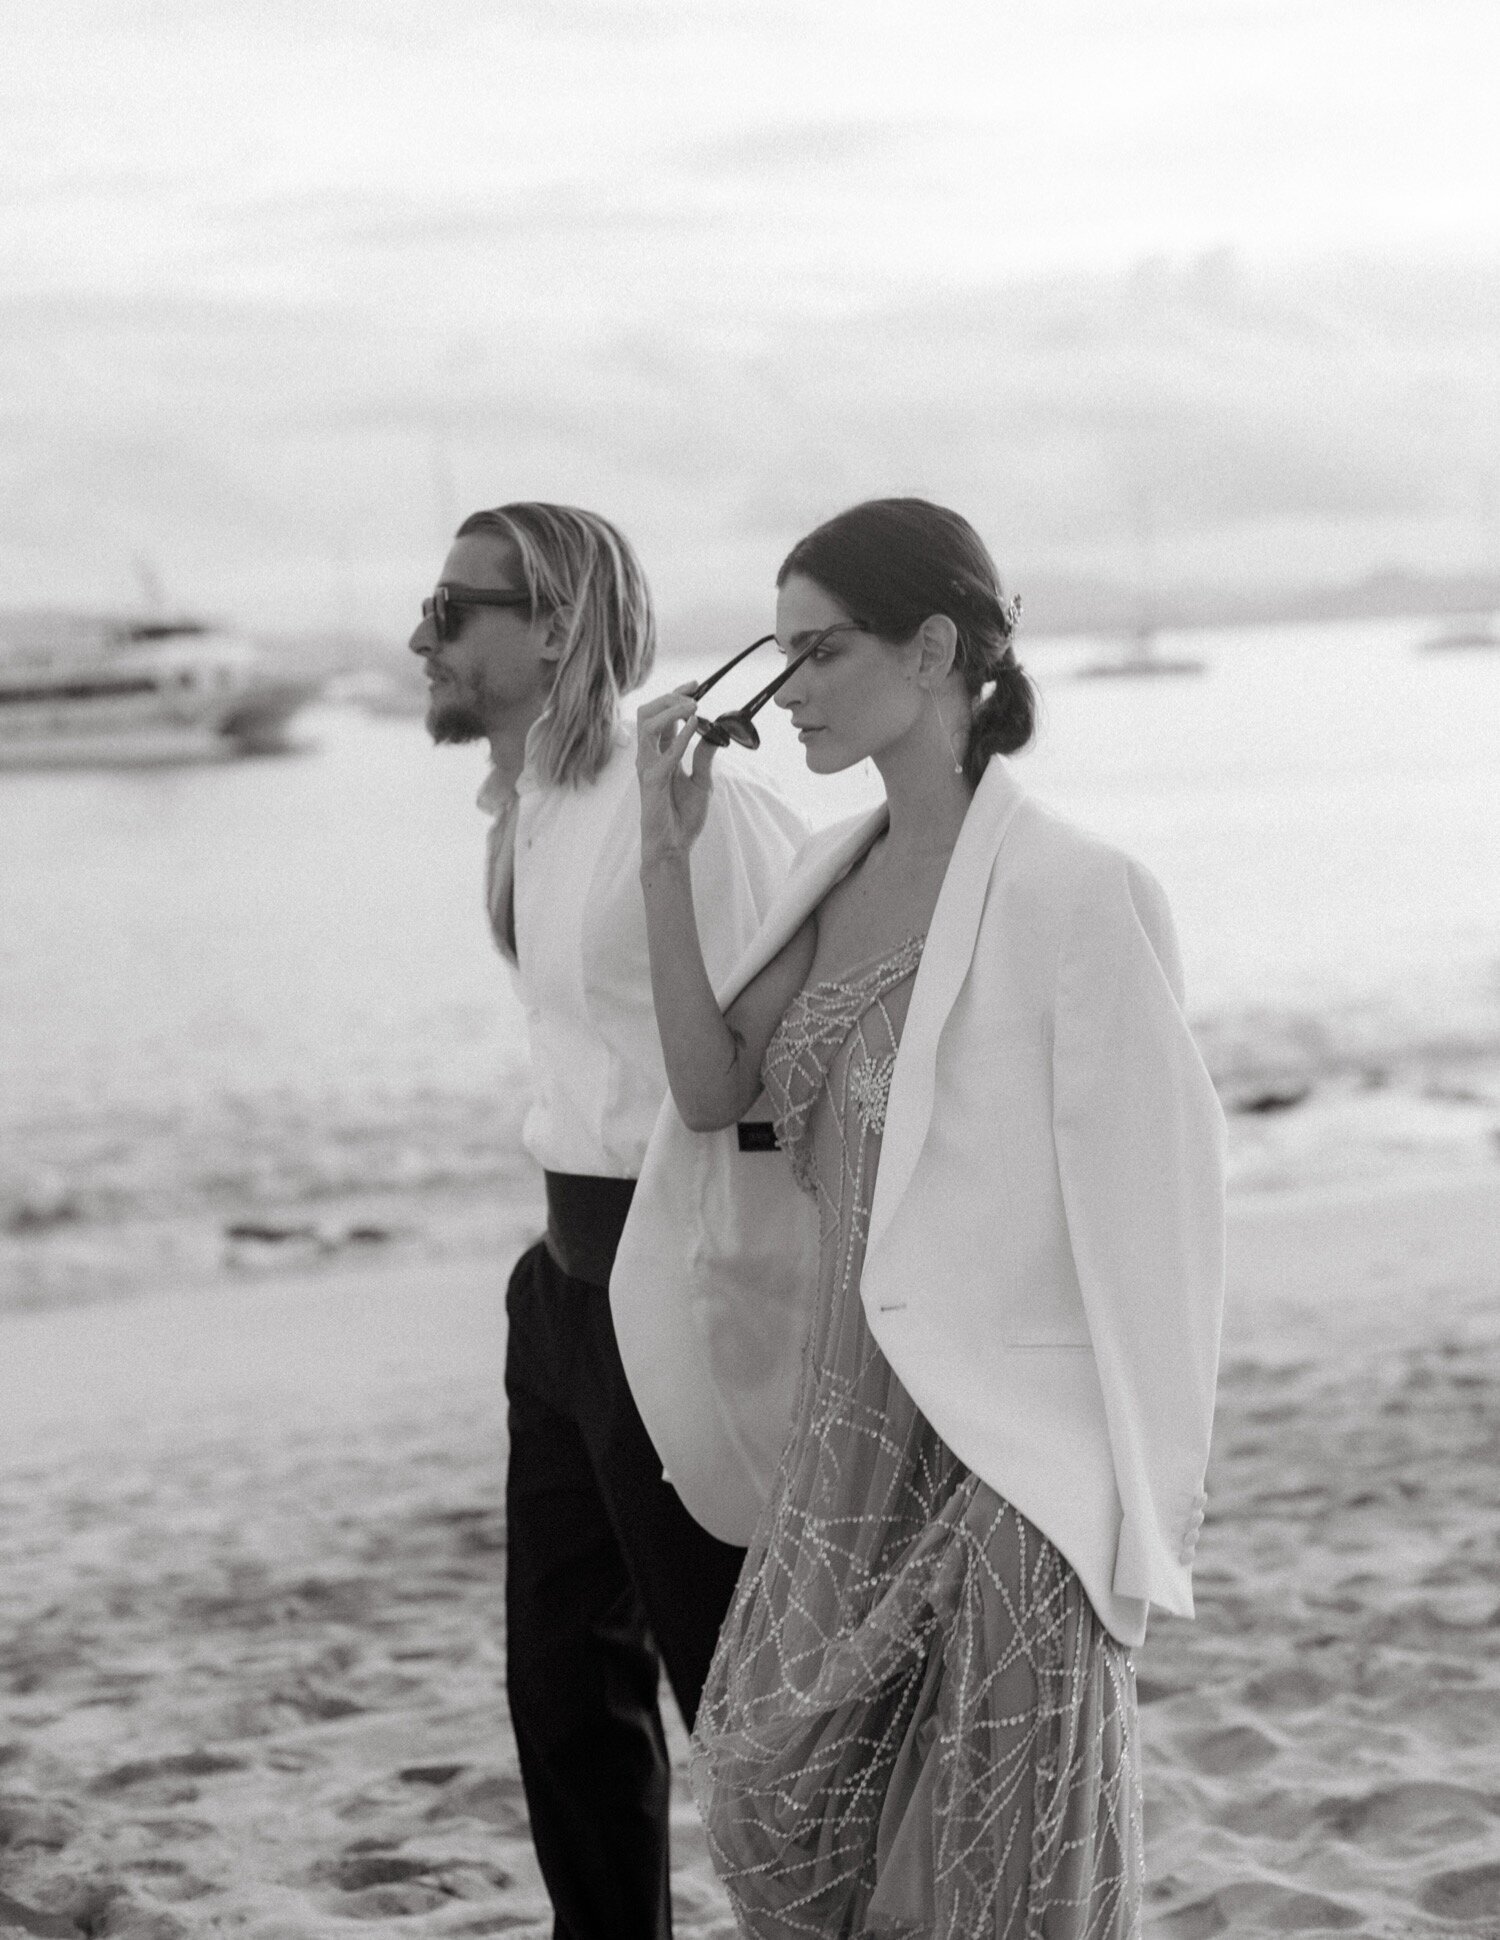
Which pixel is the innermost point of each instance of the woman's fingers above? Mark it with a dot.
(661, 748)
(703, 761)
(673, 743)
(672, 757)
(657, 729)
(665, 706)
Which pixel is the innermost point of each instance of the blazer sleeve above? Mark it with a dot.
(1140, 1148)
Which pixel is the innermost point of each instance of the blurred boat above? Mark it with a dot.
(375, 691)
(77, 690)
(1141, 660)
(1472, 636)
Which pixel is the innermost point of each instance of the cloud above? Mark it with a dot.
(547, 213)
(792, 146)
(251, 448)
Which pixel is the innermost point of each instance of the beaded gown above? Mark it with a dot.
(914, 1723)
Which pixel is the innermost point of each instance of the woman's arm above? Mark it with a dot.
(713, 1060)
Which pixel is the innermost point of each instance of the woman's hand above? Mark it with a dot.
(674, 801)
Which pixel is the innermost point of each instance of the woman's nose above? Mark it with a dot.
(789, 694)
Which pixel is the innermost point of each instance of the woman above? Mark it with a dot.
(965, 1016)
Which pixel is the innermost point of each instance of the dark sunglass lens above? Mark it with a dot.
(713, 734)
(737, 729)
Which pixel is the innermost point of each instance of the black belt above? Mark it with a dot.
(585, 1218)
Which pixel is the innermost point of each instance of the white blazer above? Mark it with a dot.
(1045, 1263)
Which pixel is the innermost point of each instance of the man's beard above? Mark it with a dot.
(453, 721)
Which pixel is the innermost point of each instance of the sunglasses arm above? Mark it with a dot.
(697, 693)
(754, 705)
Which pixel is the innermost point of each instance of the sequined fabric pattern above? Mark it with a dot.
(914, 1724)
(815, 1029)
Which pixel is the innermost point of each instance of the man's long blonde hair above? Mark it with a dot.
(578, 566)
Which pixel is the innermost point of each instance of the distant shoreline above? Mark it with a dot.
(1063, 604)
(1067, 605)
(1055, 605)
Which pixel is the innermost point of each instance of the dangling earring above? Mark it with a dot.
(958, 766)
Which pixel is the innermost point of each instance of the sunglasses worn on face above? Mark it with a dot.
(447, 601)
(739, 726)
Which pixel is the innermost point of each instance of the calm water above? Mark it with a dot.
(274, 977)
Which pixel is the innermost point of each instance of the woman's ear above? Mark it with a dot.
(938, 649)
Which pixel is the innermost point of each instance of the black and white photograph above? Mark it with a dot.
(750, 970)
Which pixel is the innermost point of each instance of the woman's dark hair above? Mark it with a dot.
(893, 563)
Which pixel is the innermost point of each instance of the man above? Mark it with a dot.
(541, 622)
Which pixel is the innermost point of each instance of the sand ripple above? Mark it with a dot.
(251, 1649)
(1321, 1744)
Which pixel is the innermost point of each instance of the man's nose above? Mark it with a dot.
(422, 641)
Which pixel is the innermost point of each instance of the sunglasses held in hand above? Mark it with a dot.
(739, 726)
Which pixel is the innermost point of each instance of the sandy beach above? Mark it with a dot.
(1191, 314)
(251, 1565)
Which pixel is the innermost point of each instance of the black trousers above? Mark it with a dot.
(608, 1578)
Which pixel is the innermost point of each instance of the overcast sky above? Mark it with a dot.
(406, 184)
(277, 147)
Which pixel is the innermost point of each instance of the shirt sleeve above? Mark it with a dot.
(1139, 1138)
(738, 863)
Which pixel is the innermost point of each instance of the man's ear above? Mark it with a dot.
(938, 640)
(556, 638)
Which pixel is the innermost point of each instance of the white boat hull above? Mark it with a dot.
(137, 746)
(189, 697)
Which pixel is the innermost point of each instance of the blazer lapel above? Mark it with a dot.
(829, 856)
(946, 957)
